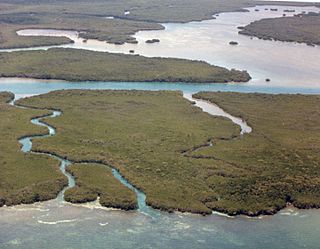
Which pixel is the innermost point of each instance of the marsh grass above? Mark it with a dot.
(82, 65)
(280, 157)
(142, 134)
(300, 28)
(93, 181)
(24, 178)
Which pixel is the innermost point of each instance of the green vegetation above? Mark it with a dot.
(277, 163)
(93, 180)
(143, 135)
(10, 39)
(82, 65)
(90, 16)
(161, 144)
(6, 97)
(24, 178)
(299, 28)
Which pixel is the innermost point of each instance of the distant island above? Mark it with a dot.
(302, 28)
(105, 20)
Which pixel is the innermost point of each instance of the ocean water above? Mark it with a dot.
(56, 224)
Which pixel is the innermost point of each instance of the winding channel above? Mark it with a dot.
(26, 143)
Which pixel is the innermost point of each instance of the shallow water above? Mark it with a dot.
(56, 224)
(215, 110)
(286, 64)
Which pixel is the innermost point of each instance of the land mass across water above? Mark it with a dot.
(184, 159)
(302, 28)
(83, 65)
(112, 21)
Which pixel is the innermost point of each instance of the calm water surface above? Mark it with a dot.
(285, 63)
(293, 68)
(56, 224)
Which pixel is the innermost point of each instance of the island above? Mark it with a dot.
(233, 43)
(302, 28)
(82, 65)
(104, 20)
(153, 41)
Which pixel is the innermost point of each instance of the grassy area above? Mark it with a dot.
(299, 28)
(279, 160)
(82, 65)
(24, 178)
(143, 135)
(93, 180)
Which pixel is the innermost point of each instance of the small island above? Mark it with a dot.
(233, 43)
(152, 41)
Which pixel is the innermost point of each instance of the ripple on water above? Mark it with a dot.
(56, 222)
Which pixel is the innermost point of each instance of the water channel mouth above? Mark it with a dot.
(26, 143)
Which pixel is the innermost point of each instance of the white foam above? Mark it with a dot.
(103, 224)
(56, 222)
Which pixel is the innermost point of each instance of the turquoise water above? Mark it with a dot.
(30, 87)
(55, 224)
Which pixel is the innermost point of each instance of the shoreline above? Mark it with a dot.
(162, 24)
(221, 211)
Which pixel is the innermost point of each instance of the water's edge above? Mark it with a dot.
(143, 208)
(26, 147)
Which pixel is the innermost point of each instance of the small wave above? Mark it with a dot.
(208, 229)
(134, 231)
(56, 222)
(290, 213)
(181, 226)
(103, 224)
(222, 214)
(15, 242)
(27, 208)
(93, 205)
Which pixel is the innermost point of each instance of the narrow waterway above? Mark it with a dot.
(26, 143)
(215, 110)
(293, 68)
(26, 147)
